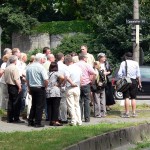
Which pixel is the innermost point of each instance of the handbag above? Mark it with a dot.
(124, 83)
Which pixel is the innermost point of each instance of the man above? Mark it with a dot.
(73, 91)
(46, 51)
(133, 72)
(12, 80)
(87, 72)
(62, 68)
(7, 51)
(37, 81)
(50, 58)
(90, 58)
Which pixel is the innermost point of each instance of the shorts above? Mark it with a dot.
(132, 91)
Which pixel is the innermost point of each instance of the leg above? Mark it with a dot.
(86, 99)
(97, 107)
(133, 102)
(70, 104)
(55, 108)
(77, 106)
(49, 109)
(127, 103)
(63, 108)
(103, 102)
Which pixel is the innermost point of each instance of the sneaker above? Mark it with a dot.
(134, 115)
(125, 115)
(98, 116)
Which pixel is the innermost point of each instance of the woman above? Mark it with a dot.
(53, 94)
(108, 89)
(99, 92)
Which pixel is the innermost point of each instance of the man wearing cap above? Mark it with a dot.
(37, 81)
(87, 71)
(133, 72)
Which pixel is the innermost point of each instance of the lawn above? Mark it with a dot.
(54, 138)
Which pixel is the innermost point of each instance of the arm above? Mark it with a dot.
(19, 85)
(70, 81)
(46, 83)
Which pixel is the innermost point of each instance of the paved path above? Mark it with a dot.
(11, 127)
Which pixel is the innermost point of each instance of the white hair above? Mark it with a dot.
(39, 56)
(7, 50)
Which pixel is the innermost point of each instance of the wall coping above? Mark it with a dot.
(114, 139)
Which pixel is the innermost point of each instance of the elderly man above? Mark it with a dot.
(12, 80)
(73, 91)
(87, 72)
(37, 81)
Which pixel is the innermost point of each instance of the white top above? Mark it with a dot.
(133, 70)
(62, 68)
(3, 66)
(75, 74)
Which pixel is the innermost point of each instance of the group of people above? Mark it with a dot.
(58, 85)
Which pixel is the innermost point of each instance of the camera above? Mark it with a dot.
(140, 89)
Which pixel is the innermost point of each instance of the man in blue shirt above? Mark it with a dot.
(37, 81)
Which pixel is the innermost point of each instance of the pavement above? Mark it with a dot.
(110, 118)
(12, 127)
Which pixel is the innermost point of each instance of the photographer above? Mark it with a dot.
(132, 72)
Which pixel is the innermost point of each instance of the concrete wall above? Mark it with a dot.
(114, 139)
(30, 42)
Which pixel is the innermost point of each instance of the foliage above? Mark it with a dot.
(72, 43)
(13, 20)
(70, 8)
(58, 27)
(33, 52)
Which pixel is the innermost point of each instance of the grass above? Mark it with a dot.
(142, 145)
(54, 138)
(59, 138)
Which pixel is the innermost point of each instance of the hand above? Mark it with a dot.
(19, 90)
(74, 85)
(139, 85)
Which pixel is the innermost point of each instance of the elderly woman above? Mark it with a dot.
(53, 94)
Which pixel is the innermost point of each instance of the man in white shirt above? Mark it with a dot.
(73, 91)
(133, 72)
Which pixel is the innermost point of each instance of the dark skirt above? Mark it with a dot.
(109, 94)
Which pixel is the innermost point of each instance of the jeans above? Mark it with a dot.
(85, 102)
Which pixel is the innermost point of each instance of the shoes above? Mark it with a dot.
(64, 122)
(72, 124)
(104, 115)
(31, 123)
(56, 124)
(87, 120)
(38, 125)
(10, 121)
(18, 121)
(98, 116)
(125, 115)
(134, 115)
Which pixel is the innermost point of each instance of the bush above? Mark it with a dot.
(33, 52)
(58, 27)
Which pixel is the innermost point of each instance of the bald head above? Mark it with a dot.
(51, 57)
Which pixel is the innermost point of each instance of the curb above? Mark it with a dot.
(114, 139)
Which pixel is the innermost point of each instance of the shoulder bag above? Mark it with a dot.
(124, 83)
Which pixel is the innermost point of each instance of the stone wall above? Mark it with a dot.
(30, 42)
(114, 139)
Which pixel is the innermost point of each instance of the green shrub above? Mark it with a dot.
(33, 52)
(58, 27)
